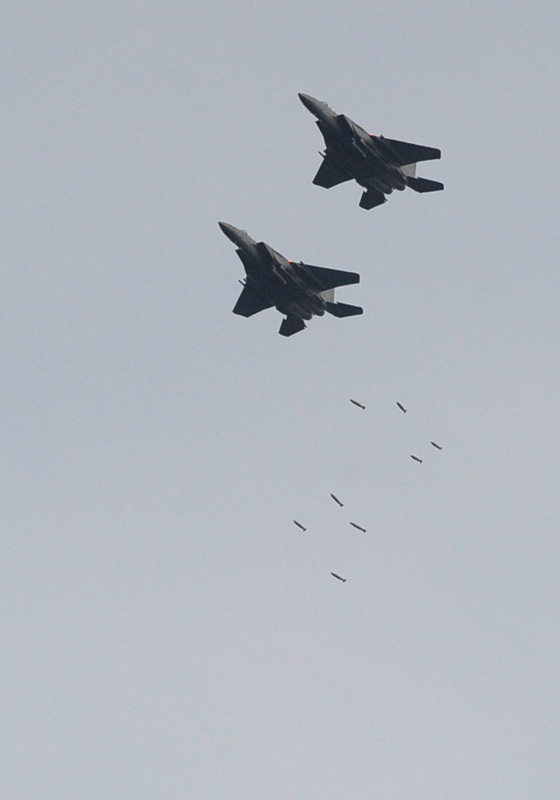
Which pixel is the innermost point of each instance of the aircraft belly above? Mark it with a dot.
(267, 289)
(299, 306)
(302, 309)
(380, 185)
(368, 173)
(375, 174)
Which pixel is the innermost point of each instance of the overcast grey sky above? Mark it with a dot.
(167, 632)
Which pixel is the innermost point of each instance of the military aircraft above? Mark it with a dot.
(376, 163)
(297, 290)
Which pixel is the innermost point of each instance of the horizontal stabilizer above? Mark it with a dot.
(291, 325)
(343, 310)
(331, 278)
(406, 152)
(329, 174)
(424, 185)
(372, 198)
(250, 303)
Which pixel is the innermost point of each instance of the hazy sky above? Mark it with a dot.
(167, 632)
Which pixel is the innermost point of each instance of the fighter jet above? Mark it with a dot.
(357, 404)
(402, 408)
(297, 290)
(336, 500)
(299, 525)
(338, 577)
(436, 445)
(376, 163)
(417, 459)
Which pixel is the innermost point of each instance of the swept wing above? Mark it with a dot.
(326, 278)
(330, 174)
(405, 152)
(249, 303)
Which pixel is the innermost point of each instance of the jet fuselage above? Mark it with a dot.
(378, 164)
(297, 290)
(358, 154)
(274, 277)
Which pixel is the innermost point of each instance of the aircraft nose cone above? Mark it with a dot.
(238, 237)
(229, 230)
(309, 102)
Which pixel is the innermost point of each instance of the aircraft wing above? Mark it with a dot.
(330, 278)
(406, 152)
(329, 174)
(249, 303)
